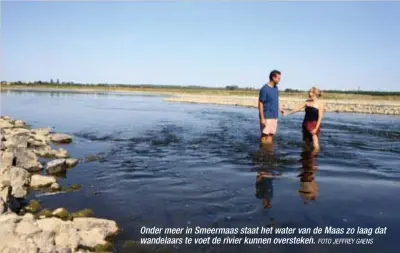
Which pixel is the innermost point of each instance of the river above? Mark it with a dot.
(186, 165)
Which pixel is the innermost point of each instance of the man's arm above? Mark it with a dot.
(261, 111)
(296, 108)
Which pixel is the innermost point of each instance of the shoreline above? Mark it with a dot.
(28, 227)
(346, 103)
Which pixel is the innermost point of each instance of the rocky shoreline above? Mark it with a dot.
(29, 228)
(351, 106)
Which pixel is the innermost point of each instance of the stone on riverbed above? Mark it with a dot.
(42, 181)
(55, 186)
(60, 138)
(61, 213)
(56, 166)
(27, 159)
(71, 162)
(61, 153)
(33, 206)
(82, 213)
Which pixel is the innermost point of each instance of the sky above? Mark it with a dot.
(331, 45)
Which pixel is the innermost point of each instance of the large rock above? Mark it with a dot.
(7, 158)
(68, 238)
(42, 181)
(20, 180)
(105, 227)
(92, 238)
(61, 138)
(4, 124)
(45, 241)
(56, 166)
(54, 224)
(27, 159)
(16, 140)
(19, 123)
(27, 228)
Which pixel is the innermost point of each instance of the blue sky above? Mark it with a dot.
(332, 45)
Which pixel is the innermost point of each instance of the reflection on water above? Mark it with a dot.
(308, 187)
(179, 165)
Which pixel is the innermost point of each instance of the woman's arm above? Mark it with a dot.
(297, 108)
(320, 115)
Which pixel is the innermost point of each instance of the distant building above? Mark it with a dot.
(3, 83)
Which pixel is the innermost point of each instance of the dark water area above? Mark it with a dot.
(188, 165)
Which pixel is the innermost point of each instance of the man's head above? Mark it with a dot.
(275, 76)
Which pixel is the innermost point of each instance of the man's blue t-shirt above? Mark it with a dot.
(270, 99)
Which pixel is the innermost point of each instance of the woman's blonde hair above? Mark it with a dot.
(316, 91)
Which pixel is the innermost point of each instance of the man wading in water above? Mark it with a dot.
(268, 107)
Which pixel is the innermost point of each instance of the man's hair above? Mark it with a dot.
(273, 74)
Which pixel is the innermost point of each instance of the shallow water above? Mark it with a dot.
(188, 165)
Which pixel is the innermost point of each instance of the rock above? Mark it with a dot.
(93, 238)
(4, 124)
(19, 123)
(55, 186)
(20, 180)
(11, 243)
(61, 213)
(7, 118)
(42, 131)
(45, 242)
(16, 140)
(72, 188)
(103, 247)
(33, 206)
(44, 213)
(56, 166)
(26, 228)
(3, 207)
(61, 153)
(40, 137)
(27, 159)
(60, 138)
(71, 162)
(105, 227)
(68, 238)
(5, 193)
(54, 224)
(42, 181)
(7, 158)
(44, 151)
(36, 143)
(82, 213)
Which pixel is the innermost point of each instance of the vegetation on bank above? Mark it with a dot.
(228, 90)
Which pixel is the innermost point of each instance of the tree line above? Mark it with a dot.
(155, 86)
